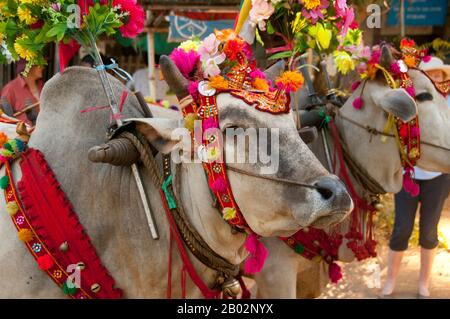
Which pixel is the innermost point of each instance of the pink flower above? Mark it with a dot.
(395, 68)
(361, 68)
(358, 103)
(134, 23)
(261, 11)
(193, 89)
(257, 74)
(376, 55)
(185, 61)
(219, 185)
(426, 58)
(346, 21)
(211, 65)
(314, 14)
(340, 6)
(209, 47)
(56, 6)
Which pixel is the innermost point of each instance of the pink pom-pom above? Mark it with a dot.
(185, 61)
(257, 73)
(395, 68)
(258, 254)
(209, 123)
(411, 91)
(415, 131)
(219, 185)
(355, 85)
(358, 103)
(426, 58)
(334, 273)
(193, 89)
(409, 185)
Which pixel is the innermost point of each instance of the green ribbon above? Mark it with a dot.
(170, 200)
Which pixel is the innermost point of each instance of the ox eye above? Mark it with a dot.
(425, 96)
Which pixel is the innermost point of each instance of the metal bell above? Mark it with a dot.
(378, 206)
(80, 266)
(95, 288)
(64, 246)
(231, 287)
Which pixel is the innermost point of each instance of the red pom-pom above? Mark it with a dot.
(415, 131)
(358, 103)
(403, 132)
(334, 272)
(45, 262)
(426, 58)
(219, 185)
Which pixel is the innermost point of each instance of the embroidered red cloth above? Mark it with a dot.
(52, 220)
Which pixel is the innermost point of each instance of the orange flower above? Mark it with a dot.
(225, 35)
(233, 47)
(410, 61)
(290, 81)
(406, 43)
(3, 138)
(260, 84)
(218, 82)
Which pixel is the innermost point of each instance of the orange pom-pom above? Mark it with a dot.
(218, 82)
(410, 61)
(290, 81)
(25, 235)
(260, 84)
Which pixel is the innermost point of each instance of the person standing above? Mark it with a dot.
(23, 92)
(434, 190)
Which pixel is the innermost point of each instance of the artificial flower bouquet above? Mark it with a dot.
(325, 26)
(26, 26)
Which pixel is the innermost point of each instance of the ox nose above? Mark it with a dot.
(333, 191)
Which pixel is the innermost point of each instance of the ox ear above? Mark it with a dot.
(176, 81)
(159, 132)
(399, 103)
(275, 70)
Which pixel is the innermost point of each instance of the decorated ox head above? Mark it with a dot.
(381, 159)
(269, 202)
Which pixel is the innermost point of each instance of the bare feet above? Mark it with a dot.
(388, 288)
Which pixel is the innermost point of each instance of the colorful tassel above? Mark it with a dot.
(12, 208)
(69, 290)
(409, 185)
(258, 254)
(4, 182)
(358, 103)
(25, 235)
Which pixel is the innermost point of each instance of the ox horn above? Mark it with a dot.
(119, 152)
(176, 81)
(275, 70)
(387, 58)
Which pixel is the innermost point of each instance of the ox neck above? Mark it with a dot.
(197, 200)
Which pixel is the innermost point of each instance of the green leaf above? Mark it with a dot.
(281, 55)
(270, 28)
(57, 31)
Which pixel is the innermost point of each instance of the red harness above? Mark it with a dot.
(51, 231)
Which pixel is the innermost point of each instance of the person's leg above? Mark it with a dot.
(405, 212)
(433, 194)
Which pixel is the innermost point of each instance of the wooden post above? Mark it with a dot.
(151, 63)
(402, 18)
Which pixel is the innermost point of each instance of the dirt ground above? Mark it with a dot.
(362, 280)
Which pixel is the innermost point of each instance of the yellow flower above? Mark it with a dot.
(190, 45)
(344, 62)
(23, 52)
(229, 213)
(24, 15)
(322, 35)
(299, 23)
(311, 4)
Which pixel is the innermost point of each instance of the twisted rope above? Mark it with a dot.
(193, 240)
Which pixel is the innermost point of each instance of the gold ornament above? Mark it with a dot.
(231, 287)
